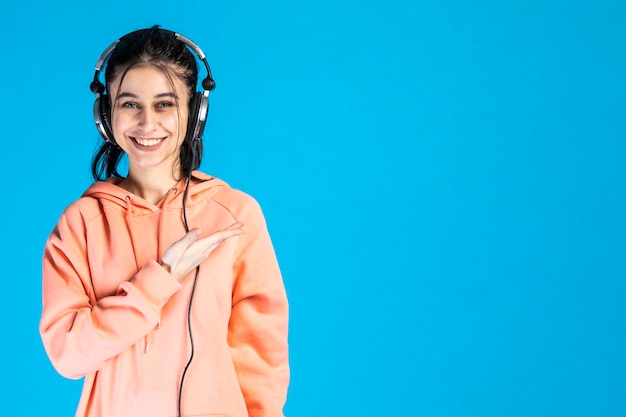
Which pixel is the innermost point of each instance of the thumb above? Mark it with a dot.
(193, 235)
(184, 242)
(175, 252)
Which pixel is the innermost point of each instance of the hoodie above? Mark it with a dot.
(113, 315)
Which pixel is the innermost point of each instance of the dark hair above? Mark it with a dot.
(160, 48)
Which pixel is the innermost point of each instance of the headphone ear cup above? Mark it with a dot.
(198, 109)
(102, 117)
(106, 117)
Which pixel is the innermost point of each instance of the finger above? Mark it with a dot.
(236, 225)
(209, 243)
(221, 236)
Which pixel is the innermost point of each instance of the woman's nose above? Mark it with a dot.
(148, 119)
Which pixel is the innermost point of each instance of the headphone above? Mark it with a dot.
(198, 107)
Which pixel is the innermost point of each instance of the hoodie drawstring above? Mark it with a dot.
(129, 224)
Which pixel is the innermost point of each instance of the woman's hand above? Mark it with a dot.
(186, 254)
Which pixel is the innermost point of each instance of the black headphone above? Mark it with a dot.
(198, 107)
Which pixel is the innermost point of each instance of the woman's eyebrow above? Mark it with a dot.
(168, 94)
(131, 95)
(125, 94)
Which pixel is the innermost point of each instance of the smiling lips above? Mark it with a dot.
(147, 141)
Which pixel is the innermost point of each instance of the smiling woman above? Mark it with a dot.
(126, 261)
(149, 117)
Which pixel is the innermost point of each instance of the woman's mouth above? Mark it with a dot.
(147, 141)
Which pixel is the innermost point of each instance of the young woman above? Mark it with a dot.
(161, 288)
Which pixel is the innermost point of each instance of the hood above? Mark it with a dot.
(202, 186)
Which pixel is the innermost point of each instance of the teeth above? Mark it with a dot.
(147, 142)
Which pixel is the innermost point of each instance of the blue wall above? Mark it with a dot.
(444, 183)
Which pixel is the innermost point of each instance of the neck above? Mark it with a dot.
(149, 185)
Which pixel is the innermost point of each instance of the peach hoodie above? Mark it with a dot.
(113, 315)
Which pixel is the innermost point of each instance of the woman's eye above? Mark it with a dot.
(164, 105)
(129, 105)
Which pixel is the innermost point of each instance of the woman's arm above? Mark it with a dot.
(79, 332)
(259, 320)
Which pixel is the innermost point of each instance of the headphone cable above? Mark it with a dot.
(193, 290)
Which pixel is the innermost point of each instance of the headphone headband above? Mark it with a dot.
(198, 109)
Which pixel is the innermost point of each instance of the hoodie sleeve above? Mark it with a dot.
(79, 332)
(259, 320)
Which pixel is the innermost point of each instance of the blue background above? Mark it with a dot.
(444, 183)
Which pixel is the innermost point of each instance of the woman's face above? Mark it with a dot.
(149, 114)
